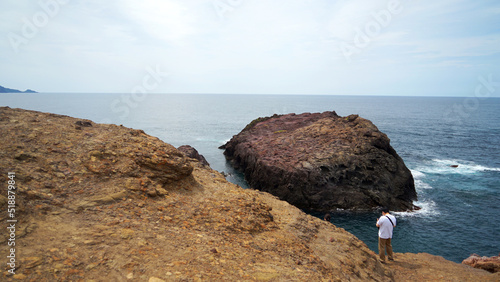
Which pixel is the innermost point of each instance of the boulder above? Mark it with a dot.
(191, 152)
(491, 264)
(323, 162)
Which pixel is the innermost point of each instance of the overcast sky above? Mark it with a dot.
(339, 47)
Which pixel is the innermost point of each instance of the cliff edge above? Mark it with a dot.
(100, 202)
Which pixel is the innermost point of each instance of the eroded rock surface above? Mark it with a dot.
(321, 161)
(491, 264)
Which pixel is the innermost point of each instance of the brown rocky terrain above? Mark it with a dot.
(323, 162)
(97, 202)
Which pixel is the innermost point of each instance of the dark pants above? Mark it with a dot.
(383, 245)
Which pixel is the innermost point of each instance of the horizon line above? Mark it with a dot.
(263, 94)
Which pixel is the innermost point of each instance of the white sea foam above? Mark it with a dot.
(418, 177)
(417, 174)
(428, 208)
(444, 166)
(212, 140)
(420, 185)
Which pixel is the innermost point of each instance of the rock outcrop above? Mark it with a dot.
(322, 161)
(97, 202)
(191, 152)
(491, 264)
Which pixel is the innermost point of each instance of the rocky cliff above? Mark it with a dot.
(97, 202)
(322, 161)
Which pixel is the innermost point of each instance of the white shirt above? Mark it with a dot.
(385, 229)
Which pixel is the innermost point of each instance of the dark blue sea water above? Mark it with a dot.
(460, 206)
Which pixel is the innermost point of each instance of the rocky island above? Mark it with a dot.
(323, 162)
(100, 202)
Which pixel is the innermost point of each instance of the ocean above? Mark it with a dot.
(460, 212)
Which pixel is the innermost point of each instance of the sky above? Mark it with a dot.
(328, 47)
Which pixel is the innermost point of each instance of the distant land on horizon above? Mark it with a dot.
(9, 90)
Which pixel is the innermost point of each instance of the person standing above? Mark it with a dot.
(385, 224)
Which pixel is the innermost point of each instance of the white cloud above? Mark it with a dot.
(347, 16)
(457, 47)
(167, 20)
(257, 46)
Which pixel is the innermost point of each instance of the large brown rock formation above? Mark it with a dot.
(321, 161)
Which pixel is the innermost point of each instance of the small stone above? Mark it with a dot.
(161, 191)
(31, 262)
(132, 184)
(91, 266)
(83, 123)
(126, 233)
(152, 193)
(307, 165)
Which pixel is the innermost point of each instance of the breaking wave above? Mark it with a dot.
(452, 166)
